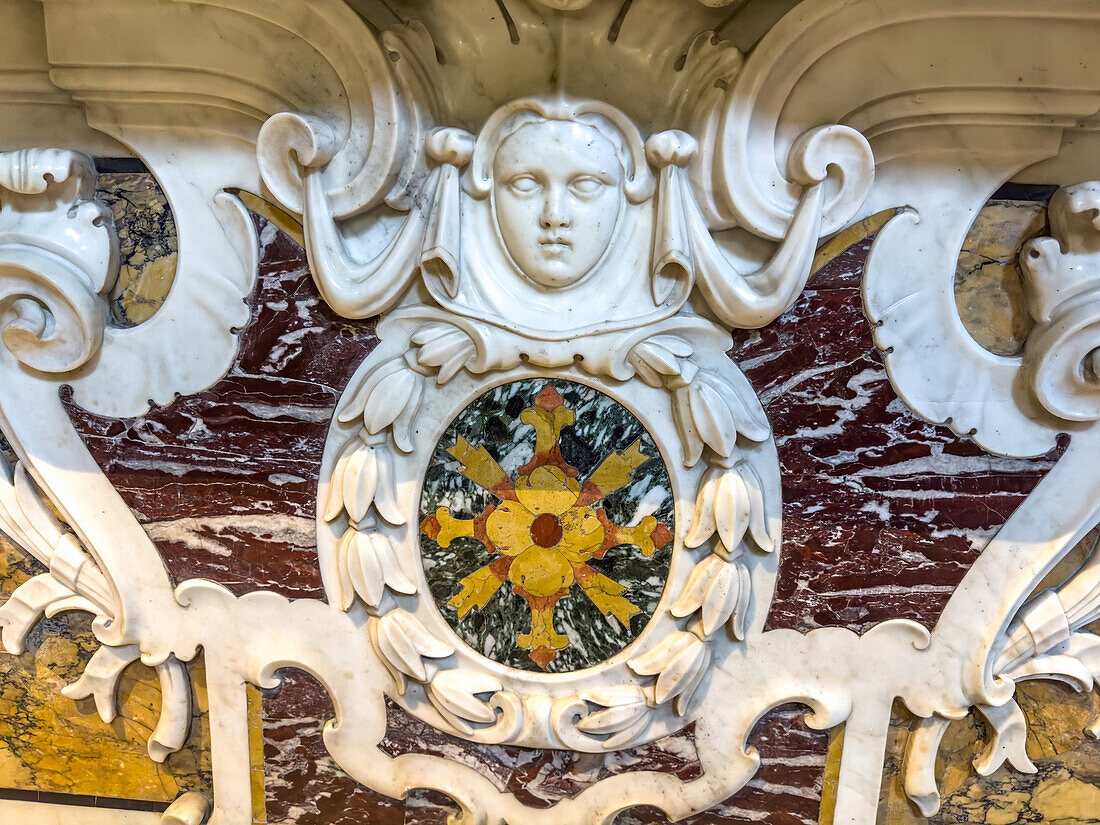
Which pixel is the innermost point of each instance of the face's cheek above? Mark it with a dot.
(595, 224)
(517, 218)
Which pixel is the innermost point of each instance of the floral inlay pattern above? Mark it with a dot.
(545, 532)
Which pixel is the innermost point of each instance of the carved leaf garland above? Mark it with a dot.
(362, 478)
(730, 502)
(388, 397)
(719, 590)
(624, 717)
(367, 564)
(443, 348)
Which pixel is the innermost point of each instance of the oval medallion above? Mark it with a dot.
(547, 525)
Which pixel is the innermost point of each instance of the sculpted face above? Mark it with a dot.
(557, 192)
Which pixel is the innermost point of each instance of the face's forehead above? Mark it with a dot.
(556, 148)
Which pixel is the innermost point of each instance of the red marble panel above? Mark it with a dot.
(883, 513)
(225, 481)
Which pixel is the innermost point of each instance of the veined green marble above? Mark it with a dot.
(602, 427)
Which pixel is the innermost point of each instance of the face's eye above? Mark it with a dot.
(586, 186)
(523, 185)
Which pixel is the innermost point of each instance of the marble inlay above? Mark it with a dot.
(147, 244)
(53, 744)
(547, 525)
(883, 514)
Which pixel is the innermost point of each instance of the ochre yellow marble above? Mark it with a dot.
(51, 743)
(146, 244)
(988, 285)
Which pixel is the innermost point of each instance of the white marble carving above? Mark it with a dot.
(582, 197)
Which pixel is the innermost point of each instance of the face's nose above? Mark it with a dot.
(555, 212)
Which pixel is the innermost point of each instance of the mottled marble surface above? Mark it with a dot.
(1065, 788)
(52, 744)
(883, 513)
(146, 241)
(988, 283)
(225, 481)
(602, 430)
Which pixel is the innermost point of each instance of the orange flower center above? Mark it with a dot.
(546, 530)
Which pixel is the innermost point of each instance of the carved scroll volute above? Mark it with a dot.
(737, 179)
(58, 257)
(1062, 355)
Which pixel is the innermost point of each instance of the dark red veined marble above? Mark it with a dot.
(883, 513)
(225, 481)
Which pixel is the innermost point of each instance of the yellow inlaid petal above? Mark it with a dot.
(481, 468)
(509, 528)
(542, 635)
(476, 590)
(582, 533)
(547, 490)
(614, 472)
(606, 593)
(541, 571)
(451, 528)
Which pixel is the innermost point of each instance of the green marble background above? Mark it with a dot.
(603, 426)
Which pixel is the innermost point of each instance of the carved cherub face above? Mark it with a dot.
(557, 195)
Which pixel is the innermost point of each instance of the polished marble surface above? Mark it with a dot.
(534, 506)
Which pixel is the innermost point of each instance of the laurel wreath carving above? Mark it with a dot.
(710, 414)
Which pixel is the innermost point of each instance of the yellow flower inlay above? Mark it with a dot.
(545, 530)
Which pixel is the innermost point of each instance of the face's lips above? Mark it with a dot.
(555, 245)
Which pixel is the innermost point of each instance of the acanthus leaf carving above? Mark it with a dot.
(76, 583)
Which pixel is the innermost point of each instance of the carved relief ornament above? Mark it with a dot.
(551, 257)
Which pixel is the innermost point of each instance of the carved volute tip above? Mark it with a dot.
(189, 809)
(670, 148)
(450, 146)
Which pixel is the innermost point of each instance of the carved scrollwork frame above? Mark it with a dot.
(723, 194)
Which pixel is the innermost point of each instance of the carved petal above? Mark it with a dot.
(703, 524)
(175, 710)
(388, 399)
(456, 692)
(404, 643)
(919, 769)
(385, 500)
(625, 714)
(1009, 740)
(335, 504)
(731, 509)
(360, 482)
(679, 663)
(355, 402)
(27, 605)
